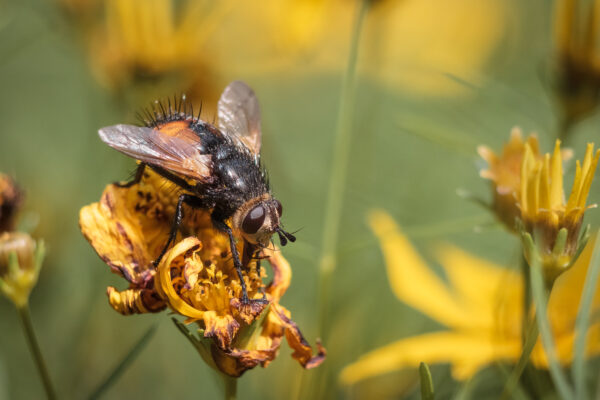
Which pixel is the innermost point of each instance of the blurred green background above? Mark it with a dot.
(412, 148)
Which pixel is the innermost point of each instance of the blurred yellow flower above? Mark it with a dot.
(481, 304)
(577, 58)
(195, 278)
(554, 225)
(416, 45)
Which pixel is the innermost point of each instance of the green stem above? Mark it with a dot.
(530, 339)
(124, 364)
(34, 347)
(230, 387)
(540, 292)
(337, 179)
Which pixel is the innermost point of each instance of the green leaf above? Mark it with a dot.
(427, 392)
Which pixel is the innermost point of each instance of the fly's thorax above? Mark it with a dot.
(258, 218)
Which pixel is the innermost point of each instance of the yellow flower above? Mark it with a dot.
(481, 305)
(145, 49)
(415, 45)
(419, 45)
(11, 197)
(504, 172)
(554, 225)
(20, 263)
(195, 278)
(577, 58)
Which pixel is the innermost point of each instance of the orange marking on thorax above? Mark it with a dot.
(179, 129)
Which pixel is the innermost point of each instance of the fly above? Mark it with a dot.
(217, 167)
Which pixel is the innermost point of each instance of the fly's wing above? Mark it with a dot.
(177, 151)
(239, 115)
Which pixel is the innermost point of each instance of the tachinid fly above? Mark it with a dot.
(218, 168)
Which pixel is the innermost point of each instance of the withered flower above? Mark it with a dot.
(11, 197)
(195, 278)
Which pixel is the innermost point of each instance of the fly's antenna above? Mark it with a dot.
(285, 236)
(282, 238)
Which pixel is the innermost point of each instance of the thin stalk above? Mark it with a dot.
(540, 293)
(123, 364)
(582, 323)
(34, 347)
(530, 340)
(337, 179)
(230, 387)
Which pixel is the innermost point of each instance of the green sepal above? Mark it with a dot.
(247, 333)
(560, 243)
(202, 344)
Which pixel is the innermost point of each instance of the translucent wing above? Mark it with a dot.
(239, 114)
(177, 148)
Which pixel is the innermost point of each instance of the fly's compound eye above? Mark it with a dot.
(254, 219)
(278, 207)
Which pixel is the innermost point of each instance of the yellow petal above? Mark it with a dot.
(556, 179)
(410, 278)
(467, 352)
(490, 295)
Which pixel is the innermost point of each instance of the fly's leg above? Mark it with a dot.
(222, 226)
(261, 289)
(139, 172)
(188, 199)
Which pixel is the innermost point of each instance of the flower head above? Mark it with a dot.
(20, 263)
(554, 224)
(577, 84)
(195, 278)
(480, 304)
(504, 172)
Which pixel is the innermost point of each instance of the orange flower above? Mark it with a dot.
(505, 173)
(195, 278)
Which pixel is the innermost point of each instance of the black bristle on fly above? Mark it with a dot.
(163, 111)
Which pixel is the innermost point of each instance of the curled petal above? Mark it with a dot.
(134, 301)
(302, 350)
(282, 274)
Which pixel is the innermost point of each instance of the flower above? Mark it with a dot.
(20, 263)
(577, 79)
(481, 305)
(11, 197)
(142, 49)
(554, 225)
(504, 171)
(195, 278)
(417, 45)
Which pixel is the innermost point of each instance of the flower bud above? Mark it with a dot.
(20, 262)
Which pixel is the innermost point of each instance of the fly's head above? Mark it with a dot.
(259, 218)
